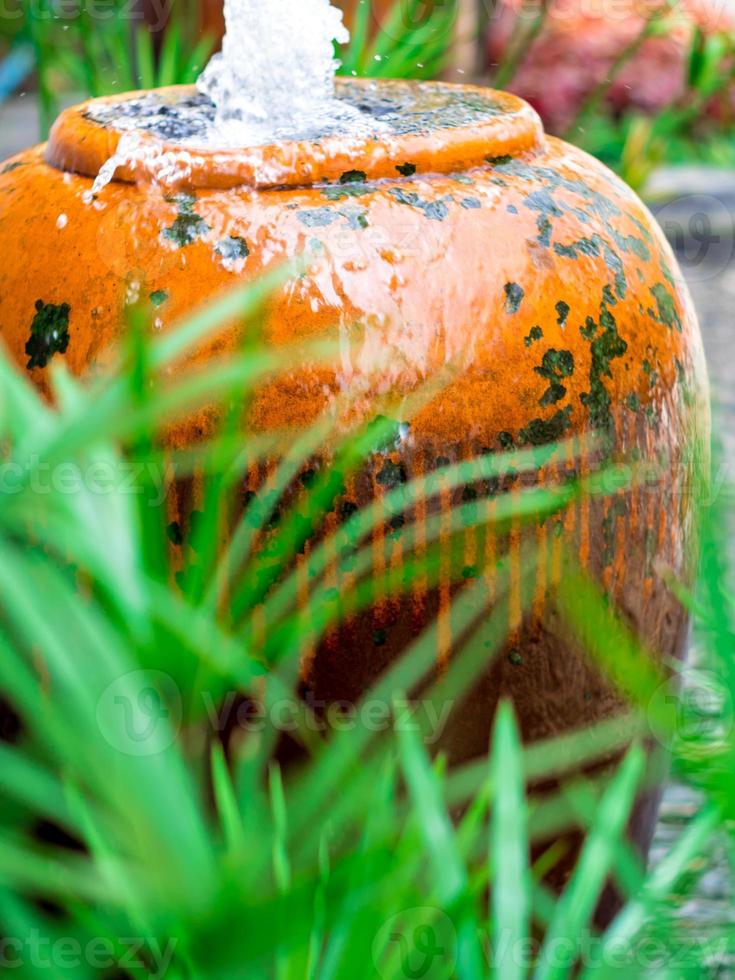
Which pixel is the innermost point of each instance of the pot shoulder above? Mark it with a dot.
(538, 286)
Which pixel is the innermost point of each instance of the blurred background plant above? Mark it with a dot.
(94, 48)
(638, 83)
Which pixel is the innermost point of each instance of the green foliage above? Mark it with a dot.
(631, 143)
(414, 40)
(119, 641)
(11, 25)
(101, 51)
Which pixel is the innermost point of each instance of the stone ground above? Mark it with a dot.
(697, 210)
(19, 126)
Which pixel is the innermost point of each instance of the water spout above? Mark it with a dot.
(274, 78)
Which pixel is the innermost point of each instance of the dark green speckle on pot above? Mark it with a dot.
(49, 333)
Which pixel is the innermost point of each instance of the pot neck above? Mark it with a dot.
(419, 128)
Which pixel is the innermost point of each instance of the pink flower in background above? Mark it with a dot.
(581, 41)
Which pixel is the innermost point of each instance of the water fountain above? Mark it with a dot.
(445, 230)
(259, 98)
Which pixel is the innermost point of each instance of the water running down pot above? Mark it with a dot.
(457, 242)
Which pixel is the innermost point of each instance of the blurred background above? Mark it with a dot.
(640, 83)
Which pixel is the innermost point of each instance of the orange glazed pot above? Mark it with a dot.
(460, 237)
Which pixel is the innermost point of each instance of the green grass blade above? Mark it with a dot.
(577, 904)
(226, 801)
(146, 59)
(169, 57)
(693, 840)
(241, 304)
(440, 844)
(509, 846)
(353, 58)
(433, 821)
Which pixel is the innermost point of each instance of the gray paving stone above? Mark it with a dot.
(19, 126)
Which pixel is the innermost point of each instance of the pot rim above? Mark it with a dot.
(511, 127)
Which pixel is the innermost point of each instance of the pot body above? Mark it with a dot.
(534, 277)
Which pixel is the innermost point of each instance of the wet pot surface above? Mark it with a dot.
(488, 287)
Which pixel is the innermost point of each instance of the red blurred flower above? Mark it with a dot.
(581, 42)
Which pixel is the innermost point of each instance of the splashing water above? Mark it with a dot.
(274, 79)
